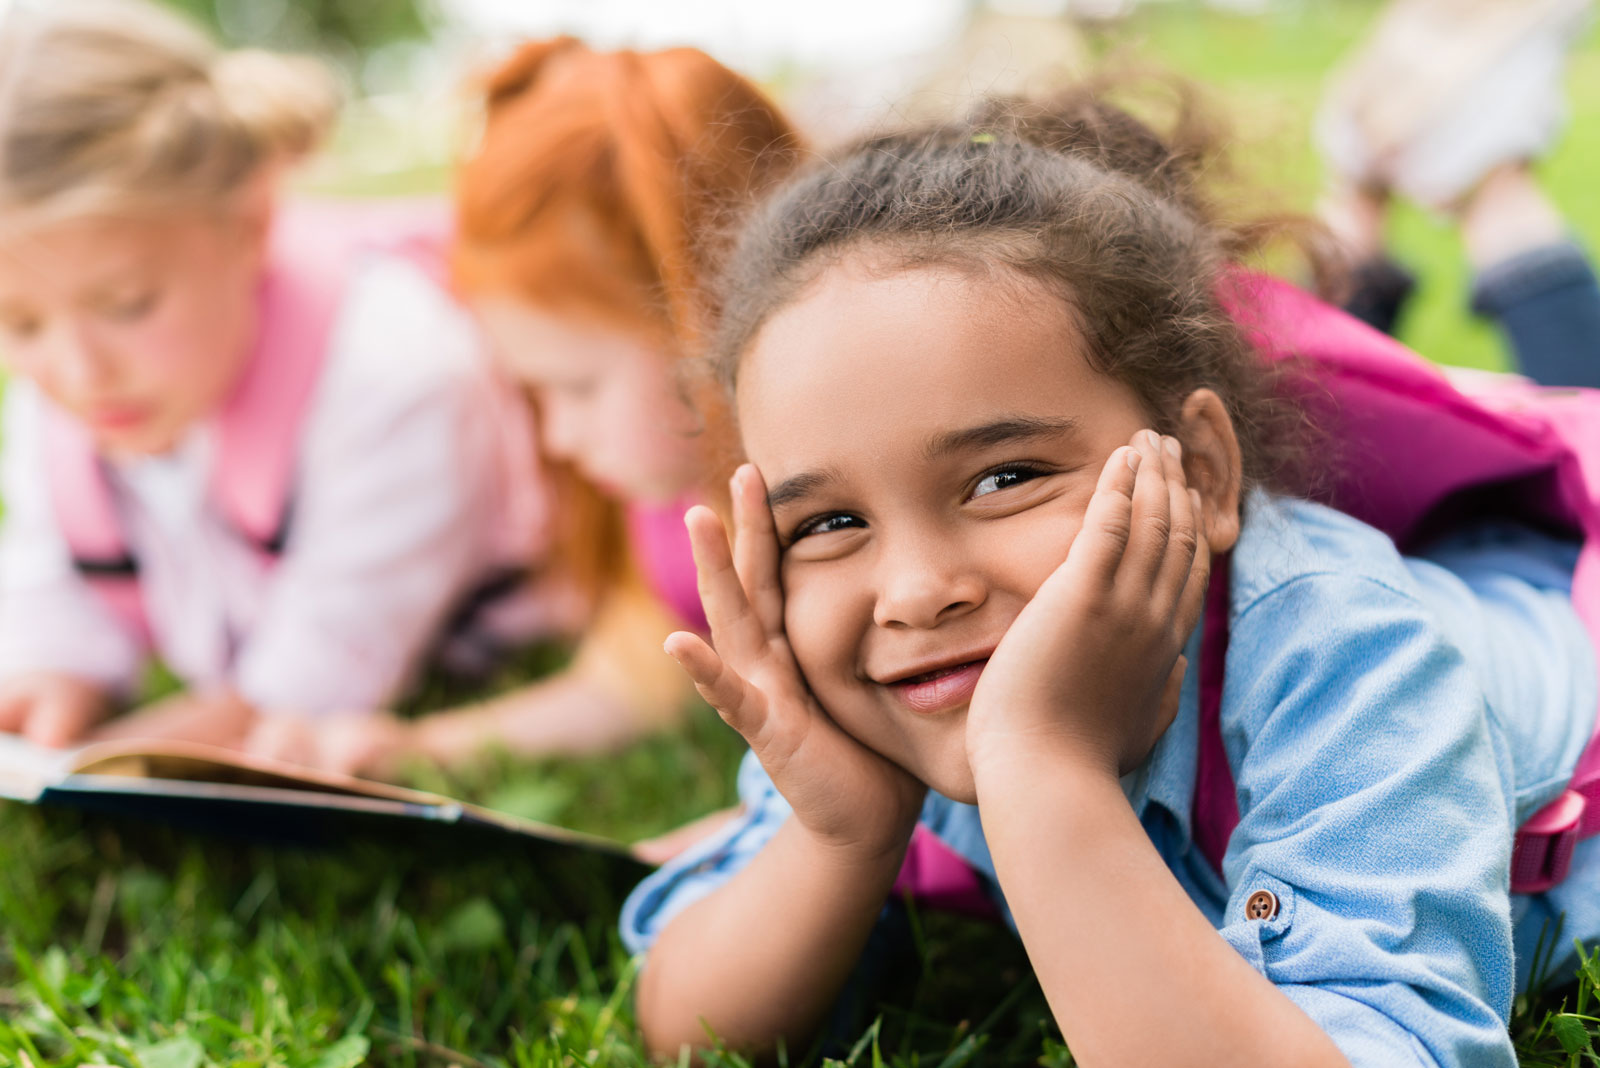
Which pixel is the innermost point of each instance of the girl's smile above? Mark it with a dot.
(930, 440)
(939, 689)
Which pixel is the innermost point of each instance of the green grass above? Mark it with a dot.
(126, 944)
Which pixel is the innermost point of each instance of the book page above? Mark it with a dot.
(26, 769)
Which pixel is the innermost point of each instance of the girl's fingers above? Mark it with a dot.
(14, 705)
(1197, 581)
(1152, 518)
(57, 722)
(1104, 535)
(736, 701)
(1171, 693)
(737, 631)
(755, 549)
(1183, 533)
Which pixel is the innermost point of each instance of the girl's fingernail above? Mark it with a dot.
(1171, 445)
(1194, 499)
(1133, 459)
(1152, 439)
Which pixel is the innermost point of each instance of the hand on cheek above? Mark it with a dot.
(1089, 671)
(843, 793)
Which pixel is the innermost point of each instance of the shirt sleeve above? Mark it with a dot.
(50, 619)
(394, 506)
(708, 864)
(1375, 808)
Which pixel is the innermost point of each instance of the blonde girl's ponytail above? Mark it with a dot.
(121, 106)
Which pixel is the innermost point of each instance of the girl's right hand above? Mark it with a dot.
(843, 793)
(51, 709)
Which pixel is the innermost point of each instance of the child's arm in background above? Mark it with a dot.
(763, 957)
(62, 653)
(617, 687)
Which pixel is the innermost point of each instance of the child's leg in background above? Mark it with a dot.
(1533, 281)
(1444, 103)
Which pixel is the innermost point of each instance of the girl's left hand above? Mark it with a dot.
(367, 744)
(1089, 671)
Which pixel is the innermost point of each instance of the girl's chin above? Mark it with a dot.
(144, 441)
(953, 779)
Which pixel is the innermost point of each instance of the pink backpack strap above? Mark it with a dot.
(85, 508)
(259, 426)
(1542, 854)
(315, 250)
(1216, 805)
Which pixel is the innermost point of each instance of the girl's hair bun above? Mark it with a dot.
(112, 106)
(285, 104)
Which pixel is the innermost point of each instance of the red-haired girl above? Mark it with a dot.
(587, 218)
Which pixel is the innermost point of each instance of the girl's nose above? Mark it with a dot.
(924, 585)
(77, 363)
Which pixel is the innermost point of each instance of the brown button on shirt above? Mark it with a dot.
(1261, 905)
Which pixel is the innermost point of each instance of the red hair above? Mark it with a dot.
(599, 188)
(601, 174)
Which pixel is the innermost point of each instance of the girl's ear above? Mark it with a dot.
(1212, 464)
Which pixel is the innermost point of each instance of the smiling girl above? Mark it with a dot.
(1002, 434)
(257, 440)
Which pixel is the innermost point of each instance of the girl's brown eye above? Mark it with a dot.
(20, 328)
(826, 524)
(130, 308)
(1004, 478)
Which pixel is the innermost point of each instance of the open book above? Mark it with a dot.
(208, 788)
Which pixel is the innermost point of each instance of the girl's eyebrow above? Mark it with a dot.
(1010, 429)
(793, 489)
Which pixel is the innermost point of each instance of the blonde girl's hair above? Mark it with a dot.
(121, 106)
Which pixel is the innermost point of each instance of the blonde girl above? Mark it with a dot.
(256, 440)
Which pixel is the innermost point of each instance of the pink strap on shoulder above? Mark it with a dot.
(1216, 805)
(80, 493)
(85, 509)
(315, 249)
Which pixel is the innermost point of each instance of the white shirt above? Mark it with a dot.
(415, 481)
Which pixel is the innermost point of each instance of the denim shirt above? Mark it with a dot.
(1389, 721)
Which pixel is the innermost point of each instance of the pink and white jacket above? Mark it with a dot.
(308, 544)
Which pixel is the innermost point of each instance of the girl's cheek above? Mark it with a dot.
(1031, 555)
(820, 618)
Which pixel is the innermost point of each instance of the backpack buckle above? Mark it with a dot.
(1542, 854)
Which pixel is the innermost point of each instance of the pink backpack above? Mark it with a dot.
(1421, 443)
(314, 251)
